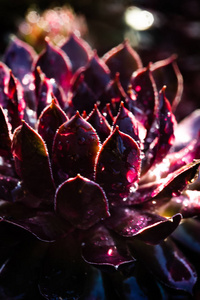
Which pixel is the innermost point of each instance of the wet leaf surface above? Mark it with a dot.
(81, 202)
(99, 247)
(74, 150)
(118, 165)
(32, 162)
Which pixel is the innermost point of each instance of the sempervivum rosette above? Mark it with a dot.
(97, 195)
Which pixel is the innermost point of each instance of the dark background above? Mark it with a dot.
(177, 32)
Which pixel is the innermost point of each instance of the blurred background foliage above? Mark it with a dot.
(172, 27)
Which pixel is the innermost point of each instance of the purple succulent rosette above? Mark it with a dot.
(99, 188)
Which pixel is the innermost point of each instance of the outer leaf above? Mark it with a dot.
(75, 148)
(187, 234)
(123, 59)
(187, 129)
(64, 274)
(19, 274)
(81, 202)
(130, 222)
(46, 226)
(32, 162)
(167, 263)
(168, 187)
(188, 204)
(118, 165)
(100, 248)
(166, 72)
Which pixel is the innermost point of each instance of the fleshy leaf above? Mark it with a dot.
(123, 59)
(55, 64)
(19, 57)
(81, 202)
(166, 72)
(5, 139)
(146, 100)
(96, 75)
(128, 124)
(171, 186)
(75, 147)
(46, 226)
(100, 124)
(167, 263)
(163, 126)
(77, 50)
(188, 204)
(187, 130)
(64, 274)
(187, 234)
(114, 94)
(19, 273)
(50, 120)
(100, 248)
(32, 162)
(82, 97)
(118, 165)
(130, 222)
(15, 102)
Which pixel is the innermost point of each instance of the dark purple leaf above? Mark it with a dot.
(165, 188)
(19, 57)
(100, 124)
(167, 263)
(166, 72)
(45, 87)
(160, 138)
(188, 204)
(81, 202)
(76, 145)
(50, 120)
(64, 274)
(15, 102)
(4, 77)
(113, 94)
(96, 75)
(55, 64)
(123, 59)
(146, 100)
(100, 248)
(20, 273)
(128, 124)
(118, 165)
(32, 162)
(187, 234)
(77, 50)
(82, 97)
(5, 138)
(187, 130)
(130, 222)
(46, 226)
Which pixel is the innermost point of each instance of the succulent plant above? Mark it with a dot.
(98, 191)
